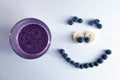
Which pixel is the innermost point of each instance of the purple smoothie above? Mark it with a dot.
(30, 38)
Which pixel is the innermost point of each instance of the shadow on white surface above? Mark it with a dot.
(6, 18)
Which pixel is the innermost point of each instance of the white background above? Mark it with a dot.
(55, 13)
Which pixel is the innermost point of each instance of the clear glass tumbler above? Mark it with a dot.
(30, 38)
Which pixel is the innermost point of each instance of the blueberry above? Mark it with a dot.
(90, 23)
(70, 22)
(104, 56)
(62, 51)
(80, 39)
(108, 52)
(95, 64)
(100, 60)
(96, 21)
(75, 18)
(79, 20)
(85, 65)
(99, 26)
(77, 64)
(91, 65)
(68, 59)
(64, 55)
(81, 66)
(87, 39)
(72, 62)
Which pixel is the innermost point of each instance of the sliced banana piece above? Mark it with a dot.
(91, 35)
(76, 35)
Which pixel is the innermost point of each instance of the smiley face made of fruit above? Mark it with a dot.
(88, 37)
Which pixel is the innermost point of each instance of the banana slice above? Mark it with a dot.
(91, 35)
(76, 35)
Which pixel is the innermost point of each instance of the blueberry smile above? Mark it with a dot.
(96, 63)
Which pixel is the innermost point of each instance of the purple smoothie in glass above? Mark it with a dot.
(30, 38)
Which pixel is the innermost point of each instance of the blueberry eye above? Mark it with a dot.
(87, 39)
(80, 39)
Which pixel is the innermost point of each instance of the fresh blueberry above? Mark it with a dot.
(70, 22)
(80, 20)
(96, 21)
(104, 56)
(108, 52)
(85, 65)
(68, 59)
(72, 62)
(65, 55)
(99, 26)
(81, 66)
(91, 65)
(62, 51)
(91, 22)
(74, 19)
(80, 39)
(95, 64)
(77, 64)
(100, 60)
(87, 39)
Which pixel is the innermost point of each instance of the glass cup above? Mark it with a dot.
(30, 38)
